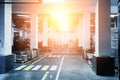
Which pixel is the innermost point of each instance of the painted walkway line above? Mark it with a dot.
(45, 76)
(20, 67)
(38, 60)
(58, 73)
(28, 67)
(53, 68)
(45, 67)
(37, 67)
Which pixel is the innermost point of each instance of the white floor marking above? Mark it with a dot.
(37, 67)
(51, 76)
(38, 60)
(45, 76)
(21, 67)
(53, 68)
(58, 73)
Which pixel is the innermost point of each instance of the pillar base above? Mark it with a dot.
(103, 65)
(6, 63)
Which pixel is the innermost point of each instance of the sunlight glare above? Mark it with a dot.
(64, 26)
(53, 1)
(59, 15)
(62, 20)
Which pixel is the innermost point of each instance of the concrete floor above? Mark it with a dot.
(55, 67)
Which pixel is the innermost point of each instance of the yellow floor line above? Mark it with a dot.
(45, 76)
(44, 68)
(28, 67)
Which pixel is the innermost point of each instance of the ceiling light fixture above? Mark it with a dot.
(23, 15)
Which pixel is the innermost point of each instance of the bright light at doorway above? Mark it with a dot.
(64, 26)
(53, 1)
(59, 15)
(62, 19)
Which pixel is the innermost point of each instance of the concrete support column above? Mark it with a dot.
(80, 44)
(45, 31)
(5, 29)
(86, 30)
(34, 31)
(6, 57)
(118, 25)
(102, 30)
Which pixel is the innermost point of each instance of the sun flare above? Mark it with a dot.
(59, 15)
(53, 1)
(62, 19)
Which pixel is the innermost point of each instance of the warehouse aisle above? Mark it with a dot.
(55, 67)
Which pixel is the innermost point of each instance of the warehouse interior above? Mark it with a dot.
(71, 38)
